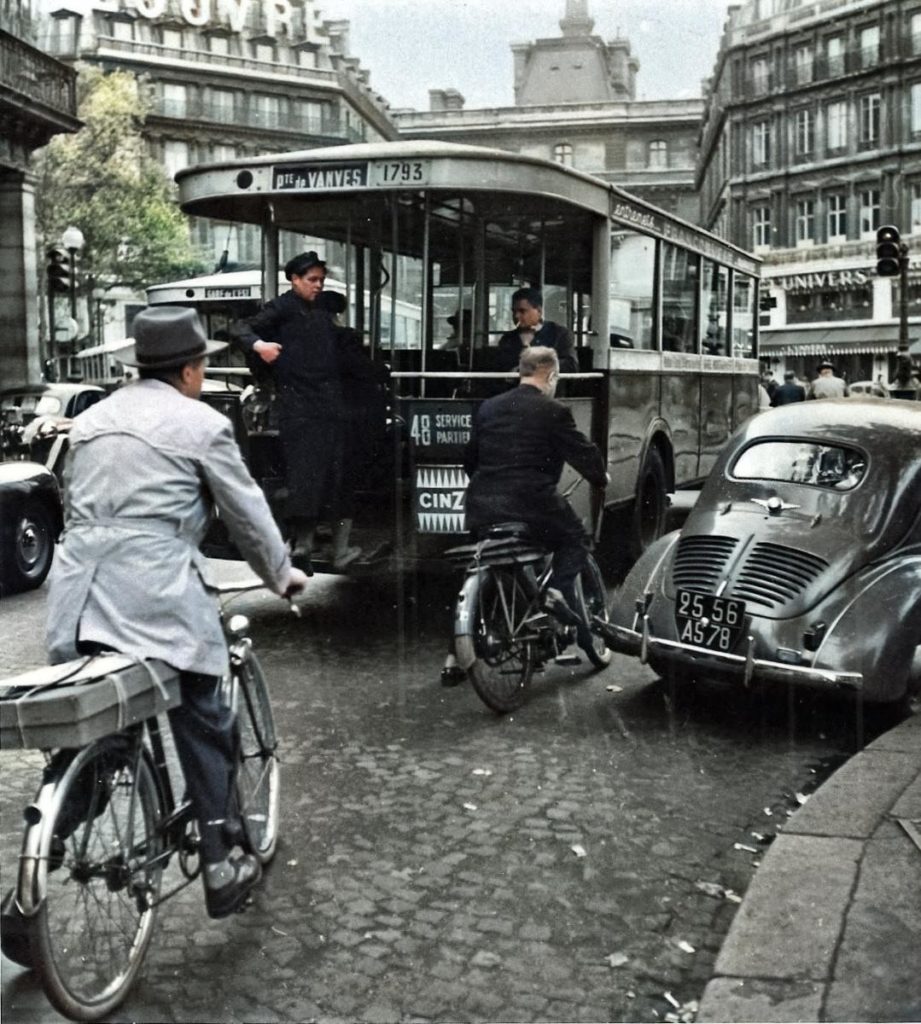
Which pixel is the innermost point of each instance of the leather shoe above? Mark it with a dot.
(228, 884)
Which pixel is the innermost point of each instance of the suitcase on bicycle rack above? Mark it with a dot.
(74, 703)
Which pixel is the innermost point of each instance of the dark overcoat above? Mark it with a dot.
(552, 335)
(518, 445)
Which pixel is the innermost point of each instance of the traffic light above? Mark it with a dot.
(59, 280)
(889, 251)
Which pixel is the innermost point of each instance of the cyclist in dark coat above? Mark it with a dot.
(518, 446)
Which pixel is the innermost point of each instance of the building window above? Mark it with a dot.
(264, 51)
(175, 100)
(562, 153)
(266, 111)
(222, 152)
(761, 76)
(869, 212)
(175, 157)
(658, 153)
(914, 212)
(869, 120)
(171, 37)
(219, 44)
(916, 109)
(869, 46)
(837, 217)
(915, 32)
(805, 221)
(761, 143)
(804, 133)
(836, 123)
(834, 55)
(803, 64)
(222, 105)
(122, 29)
(761, 227)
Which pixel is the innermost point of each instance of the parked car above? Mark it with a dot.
(875, 388)
(800, 563)
(28, 411)
(31, 520)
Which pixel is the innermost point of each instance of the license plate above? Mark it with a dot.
(705, 620)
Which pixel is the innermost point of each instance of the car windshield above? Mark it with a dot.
(802, 462)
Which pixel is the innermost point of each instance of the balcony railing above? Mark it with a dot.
(278, 120)
(43, 79)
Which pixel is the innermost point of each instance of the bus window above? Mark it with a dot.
(632, 289)
(743, 316)
(680, 273)
(714, 308)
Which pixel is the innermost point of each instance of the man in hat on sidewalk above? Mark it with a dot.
(296, 336)
(144, 470)
(826, 384)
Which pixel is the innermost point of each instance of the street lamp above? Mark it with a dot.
(72, 240)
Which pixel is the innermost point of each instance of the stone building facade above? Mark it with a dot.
(575, 102)
(229, 78)
(37, 101)
(810, 142)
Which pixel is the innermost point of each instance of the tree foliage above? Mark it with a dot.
(103, 181)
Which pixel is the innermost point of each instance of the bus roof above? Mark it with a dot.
(239, 190)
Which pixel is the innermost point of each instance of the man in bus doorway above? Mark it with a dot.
(519, 443)
(533, 330)
(296, 336)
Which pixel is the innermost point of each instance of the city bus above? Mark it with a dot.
(663, 317)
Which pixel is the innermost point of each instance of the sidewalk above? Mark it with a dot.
(830, 928)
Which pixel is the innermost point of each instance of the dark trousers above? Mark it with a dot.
(207, 741)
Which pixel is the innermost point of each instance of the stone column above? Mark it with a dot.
(20, 356)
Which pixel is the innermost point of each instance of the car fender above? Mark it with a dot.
(645, 578)
(877, 631)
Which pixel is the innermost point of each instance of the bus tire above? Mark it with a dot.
(627, 532)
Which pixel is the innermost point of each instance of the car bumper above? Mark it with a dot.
(746, 666)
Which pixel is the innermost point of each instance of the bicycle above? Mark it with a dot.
(506, 628)
(104, 827)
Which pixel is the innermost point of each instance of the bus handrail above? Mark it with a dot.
(484, 375)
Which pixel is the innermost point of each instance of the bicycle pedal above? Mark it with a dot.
(567, 659)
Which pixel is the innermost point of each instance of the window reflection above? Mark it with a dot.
(802, 462)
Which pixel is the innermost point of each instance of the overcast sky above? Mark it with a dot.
(411, 46)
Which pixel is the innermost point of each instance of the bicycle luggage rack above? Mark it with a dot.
(74, 703)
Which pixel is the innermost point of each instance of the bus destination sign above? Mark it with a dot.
(345, 176)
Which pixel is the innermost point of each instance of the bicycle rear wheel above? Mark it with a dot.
(101, 879)
(593, 602)
(258, 782)
(502, 640)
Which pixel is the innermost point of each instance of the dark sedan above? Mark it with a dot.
(31, 519)
(800, 562)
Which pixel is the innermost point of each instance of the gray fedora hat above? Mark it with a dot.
(166, 336)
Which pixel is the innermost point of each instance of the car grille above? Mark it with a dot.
(700, 562)
(773, 575)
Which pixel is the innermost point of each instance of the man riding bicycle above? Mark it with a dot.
(144, 471)
(518, 446)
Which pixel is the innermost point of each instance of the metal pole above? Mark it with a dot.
(73, 284)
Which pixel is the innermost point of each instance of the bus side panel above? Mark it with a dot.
(681, 411)
(745, 398)
(581, 497)
(634, 401)
(716, 411)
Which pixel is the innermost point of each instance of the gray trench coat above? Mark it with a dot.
(143, 470)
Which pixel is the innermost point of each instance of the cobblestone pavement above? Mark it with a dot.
(440, 863)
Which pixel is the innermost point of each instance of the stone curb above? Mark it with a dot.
(833, 910)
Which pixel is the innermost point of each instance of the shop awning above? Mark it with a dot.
(862, 339)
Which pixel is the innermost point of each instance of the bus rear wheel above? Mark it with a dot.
(627, 532)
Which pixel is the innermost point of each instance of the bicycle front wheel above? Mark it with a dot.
(593, 602)
(101, 877)
(258, 782)
(502, 639)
